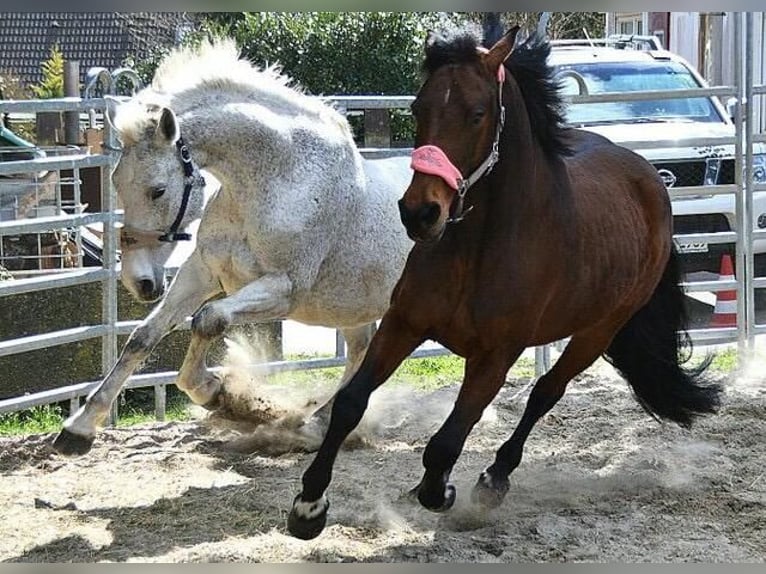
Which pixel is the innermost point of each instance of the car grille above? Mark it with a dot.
(692, 173)
(687, 173)
(700, 223)
(726, 175)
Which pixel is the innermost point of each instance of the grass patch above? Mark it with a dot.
(725, 360)
(37, 420)
(427, 373)
(177, 411)
(49, 418)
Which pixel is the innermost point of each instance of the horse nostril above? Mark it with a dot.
(429, 213)
(146, 287)
(425, 215)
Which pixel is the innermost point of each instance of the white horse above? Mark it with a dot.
(301, 228)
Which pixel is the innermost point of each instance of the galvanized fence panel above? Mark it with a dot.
(111, 327)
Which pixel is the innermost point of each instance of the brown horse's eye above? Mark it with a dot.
(478, 116)
(158, 191)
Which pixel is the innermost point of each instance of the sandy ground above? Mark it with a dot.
(601, 481)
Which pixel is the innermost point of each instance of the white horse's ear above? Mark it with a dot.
(110, 110)
(167, 127)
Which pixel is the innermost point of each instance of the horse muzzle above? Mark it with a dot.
(424, 222)
(145, 289)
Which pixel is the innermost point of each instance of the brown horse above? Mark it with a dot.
(567, 235)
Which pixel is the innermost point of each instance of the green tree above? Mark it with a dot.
(561, 25)
(338, 52)
(52, 84)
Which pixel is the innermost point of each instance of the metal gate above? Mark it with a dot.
(109, 327)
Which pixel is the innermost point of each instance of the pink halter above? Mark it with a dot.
(431, 160)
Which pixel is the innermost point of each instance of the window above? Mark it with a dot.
(634, 77)
(630, 24)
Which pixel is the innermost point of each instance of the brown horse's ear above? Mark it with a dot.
(501, 50)
(431, 37)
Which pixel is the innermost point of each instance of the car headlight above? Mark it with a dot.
(759, 168)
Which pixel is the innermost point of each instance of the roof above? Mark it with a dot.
(615, 48)
(92, 38)
(561, 56)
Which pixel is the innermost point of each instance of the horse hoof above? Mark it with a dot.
(489, 492)
(443, 505)
(307, 520)
(213, 386)
(412, 494)
(70, 444)
(214, 403)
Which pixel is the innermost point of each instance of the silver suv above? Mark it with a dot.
(637, 64)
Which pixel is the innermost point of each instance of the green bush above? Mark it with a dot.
(372, 53)
(52, 84)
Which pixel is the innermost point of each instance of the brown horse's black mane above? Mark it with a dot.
(528, 65)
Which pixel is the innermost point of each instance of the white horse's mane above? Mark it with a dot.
(188, 73)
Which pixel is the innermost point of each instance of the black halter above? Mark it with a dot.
(190, 176)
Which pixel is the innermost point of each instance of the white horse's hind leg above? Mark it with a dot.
(357, 341)
(191, 287)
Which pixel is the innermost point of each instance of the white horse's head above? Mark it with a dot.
(154, 174)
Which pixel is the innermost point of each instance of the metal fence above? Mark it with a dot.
(110, 327)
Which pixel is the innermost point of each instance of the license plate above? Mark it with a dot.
(697, 247)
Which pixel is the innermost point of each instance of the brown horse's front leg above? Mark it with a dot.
(392, 343)
(484, 375)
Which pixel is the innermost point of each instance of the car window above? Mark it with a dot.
(635, 77)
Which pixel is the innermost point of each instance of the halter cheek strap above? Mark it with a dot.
(189, 178)
(431, 159)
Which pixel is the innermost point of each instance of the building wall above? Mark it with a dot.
(659, 25)
(684, 36)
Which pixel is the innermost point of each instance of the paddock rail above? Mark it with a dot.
(377, 143)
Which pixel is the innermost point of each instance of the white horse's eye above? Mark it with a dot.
(158, 191)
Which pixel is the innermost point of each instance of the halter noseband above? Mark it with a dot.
(190, 176)
(432, 160)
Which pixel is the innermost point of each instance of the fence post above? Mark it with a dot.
(747, 224)
(377, 128)
(72, 88)
(542, 360)
(109, 256)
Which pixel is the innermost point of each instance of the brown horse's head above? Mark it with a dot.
(458, 117)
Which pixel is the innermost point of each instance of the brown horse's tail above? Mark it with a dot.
(649, 352)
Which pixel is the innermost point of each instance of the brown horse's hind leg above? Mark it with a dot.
(583, 349)
(484, 376)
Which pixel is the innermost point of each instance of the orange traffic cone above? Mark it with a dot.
(725, 313)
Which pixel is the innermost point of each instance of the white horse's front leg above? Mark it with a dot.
(192, 286)
(201, 387)
(265, 299)
(268, 298)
